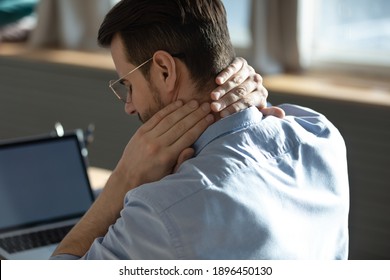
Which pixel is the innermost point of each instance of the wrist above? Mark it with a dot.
(124, 178)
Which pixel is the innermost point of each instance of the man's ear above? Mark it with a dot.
(164, 71)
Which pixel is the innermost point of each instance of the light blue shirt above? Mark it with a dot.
(258, 188)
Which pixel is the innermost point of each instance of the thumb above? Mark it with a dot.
(274, 111)
(184, 155)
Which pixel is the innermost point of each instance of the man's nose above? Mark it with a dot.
(130, 109)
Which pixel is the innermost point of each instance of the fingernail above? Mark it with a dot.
(221, 80)
(216, 106)
(215, 95)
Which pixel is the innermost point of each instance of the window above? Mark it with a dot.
(238, 16)
(345, 33)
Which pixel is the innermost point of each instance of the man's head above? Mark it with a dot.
(190, 35)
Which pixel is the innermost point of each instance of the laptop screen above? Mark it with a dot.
(42, 180)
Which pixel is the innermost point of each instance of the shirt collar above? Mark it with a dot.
(228, 125)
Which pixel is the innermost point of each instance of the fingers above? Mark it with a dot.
(172, 115)
(242, 87)
(252, 99)
(234, 75)
(160, 115)
(232, 69)
(188, 128)
(249, 92)
(274, 111)
(177, 122)
(182, 134)
(193, 133)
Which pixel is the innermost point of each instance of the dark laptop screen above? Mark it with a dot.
(42, 180)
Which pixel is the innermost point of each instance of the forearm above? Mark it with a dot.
(95, 223)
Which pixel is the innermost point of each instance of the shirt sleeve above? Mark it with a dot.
(308, 119)
(142, 232)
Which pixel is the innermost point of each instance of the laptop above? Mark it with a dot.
(44, 191)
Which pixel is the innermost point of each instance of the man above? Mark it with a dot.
(249, 188)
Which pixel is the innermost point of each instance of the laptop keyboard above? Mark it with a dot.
(32, 240)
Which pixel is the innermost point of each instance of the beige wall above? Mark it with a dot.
(34, 95)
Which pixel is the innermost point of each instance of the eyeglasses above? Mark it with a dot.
(121, 90)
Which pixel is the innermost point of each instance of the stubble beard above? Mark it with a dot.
(154, 108)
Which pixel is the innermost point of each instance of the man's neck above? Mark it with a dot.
(187, 90)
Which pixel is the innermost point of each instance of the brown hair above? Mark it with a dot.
(195, 28)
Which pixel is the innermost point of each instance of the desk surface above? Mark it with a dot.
(98, 177)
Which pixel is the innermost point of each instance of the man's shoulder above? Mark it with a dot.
(168, 191)
(231, 151)
(309, 124)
